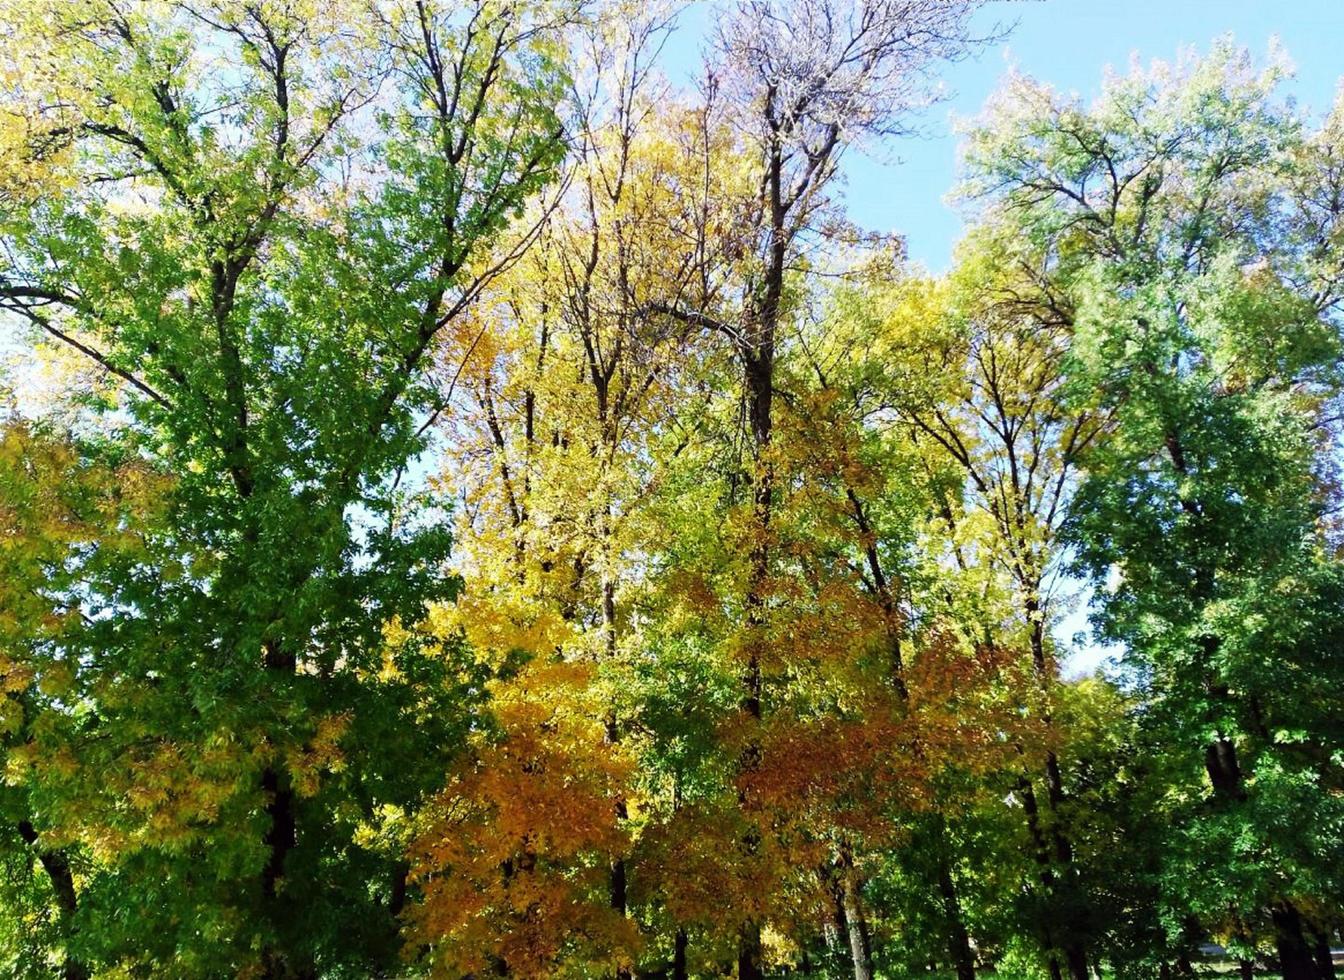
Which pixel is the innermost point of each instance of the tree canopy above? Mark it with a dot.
(470, 506)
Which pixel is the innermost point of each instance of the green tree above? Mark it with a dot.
(1192, 245)
(262, 217)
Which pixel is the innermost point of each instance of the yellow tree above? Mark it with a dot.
(555, 388)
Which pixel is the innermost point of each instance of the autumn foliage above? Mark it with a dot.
(473, 506)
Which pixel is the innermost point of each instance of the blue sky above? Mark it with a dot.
(1067, 43)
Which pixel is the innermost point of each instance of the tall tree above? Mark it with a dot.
(801, 86)
(1191, 237)
(562, 387)
(267, 289)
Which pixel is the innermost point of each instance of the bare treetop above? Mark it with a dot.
(826, 69)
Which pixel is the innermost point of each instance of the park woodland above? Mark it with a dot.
(477, 500)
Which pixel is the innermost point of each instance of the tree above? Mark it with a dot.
(561, 386)
(67, 516)
(1003, 422)
(267, 289)
(800, 88)
(1183, 218)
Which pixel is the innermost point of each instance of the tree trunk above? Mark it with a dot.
(1045, 871)
(1247, 969)
(1075, 953)
(679, 955)
(860, 951)
(1220, 761)
(1325, 964)
(1076, 957)
(282, 836)
(838, 928)
(749, 966)
(958, 941)
(618, 890)
(749, 959)
(618, 903)
(613, 734)
(400, 874)
(757, 353)
(62, 881)
(1295, 959)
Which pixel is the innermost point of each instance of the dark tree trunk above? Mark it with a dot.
(62, 881)
(1325, 964)
(1076, 957)
(759, 368)
(1295, 959)
(617, 880)
(1045, 871)
(840, 917)
(618, 885)
(679, 944)
(749, 965)
(1247, 969)
(282, 836)
(1075, 952)
(397, 902)
(618, 889)
(1220, 761)
(958, 940)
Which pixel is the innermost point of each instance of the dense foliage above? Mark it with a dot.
(468, 506)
